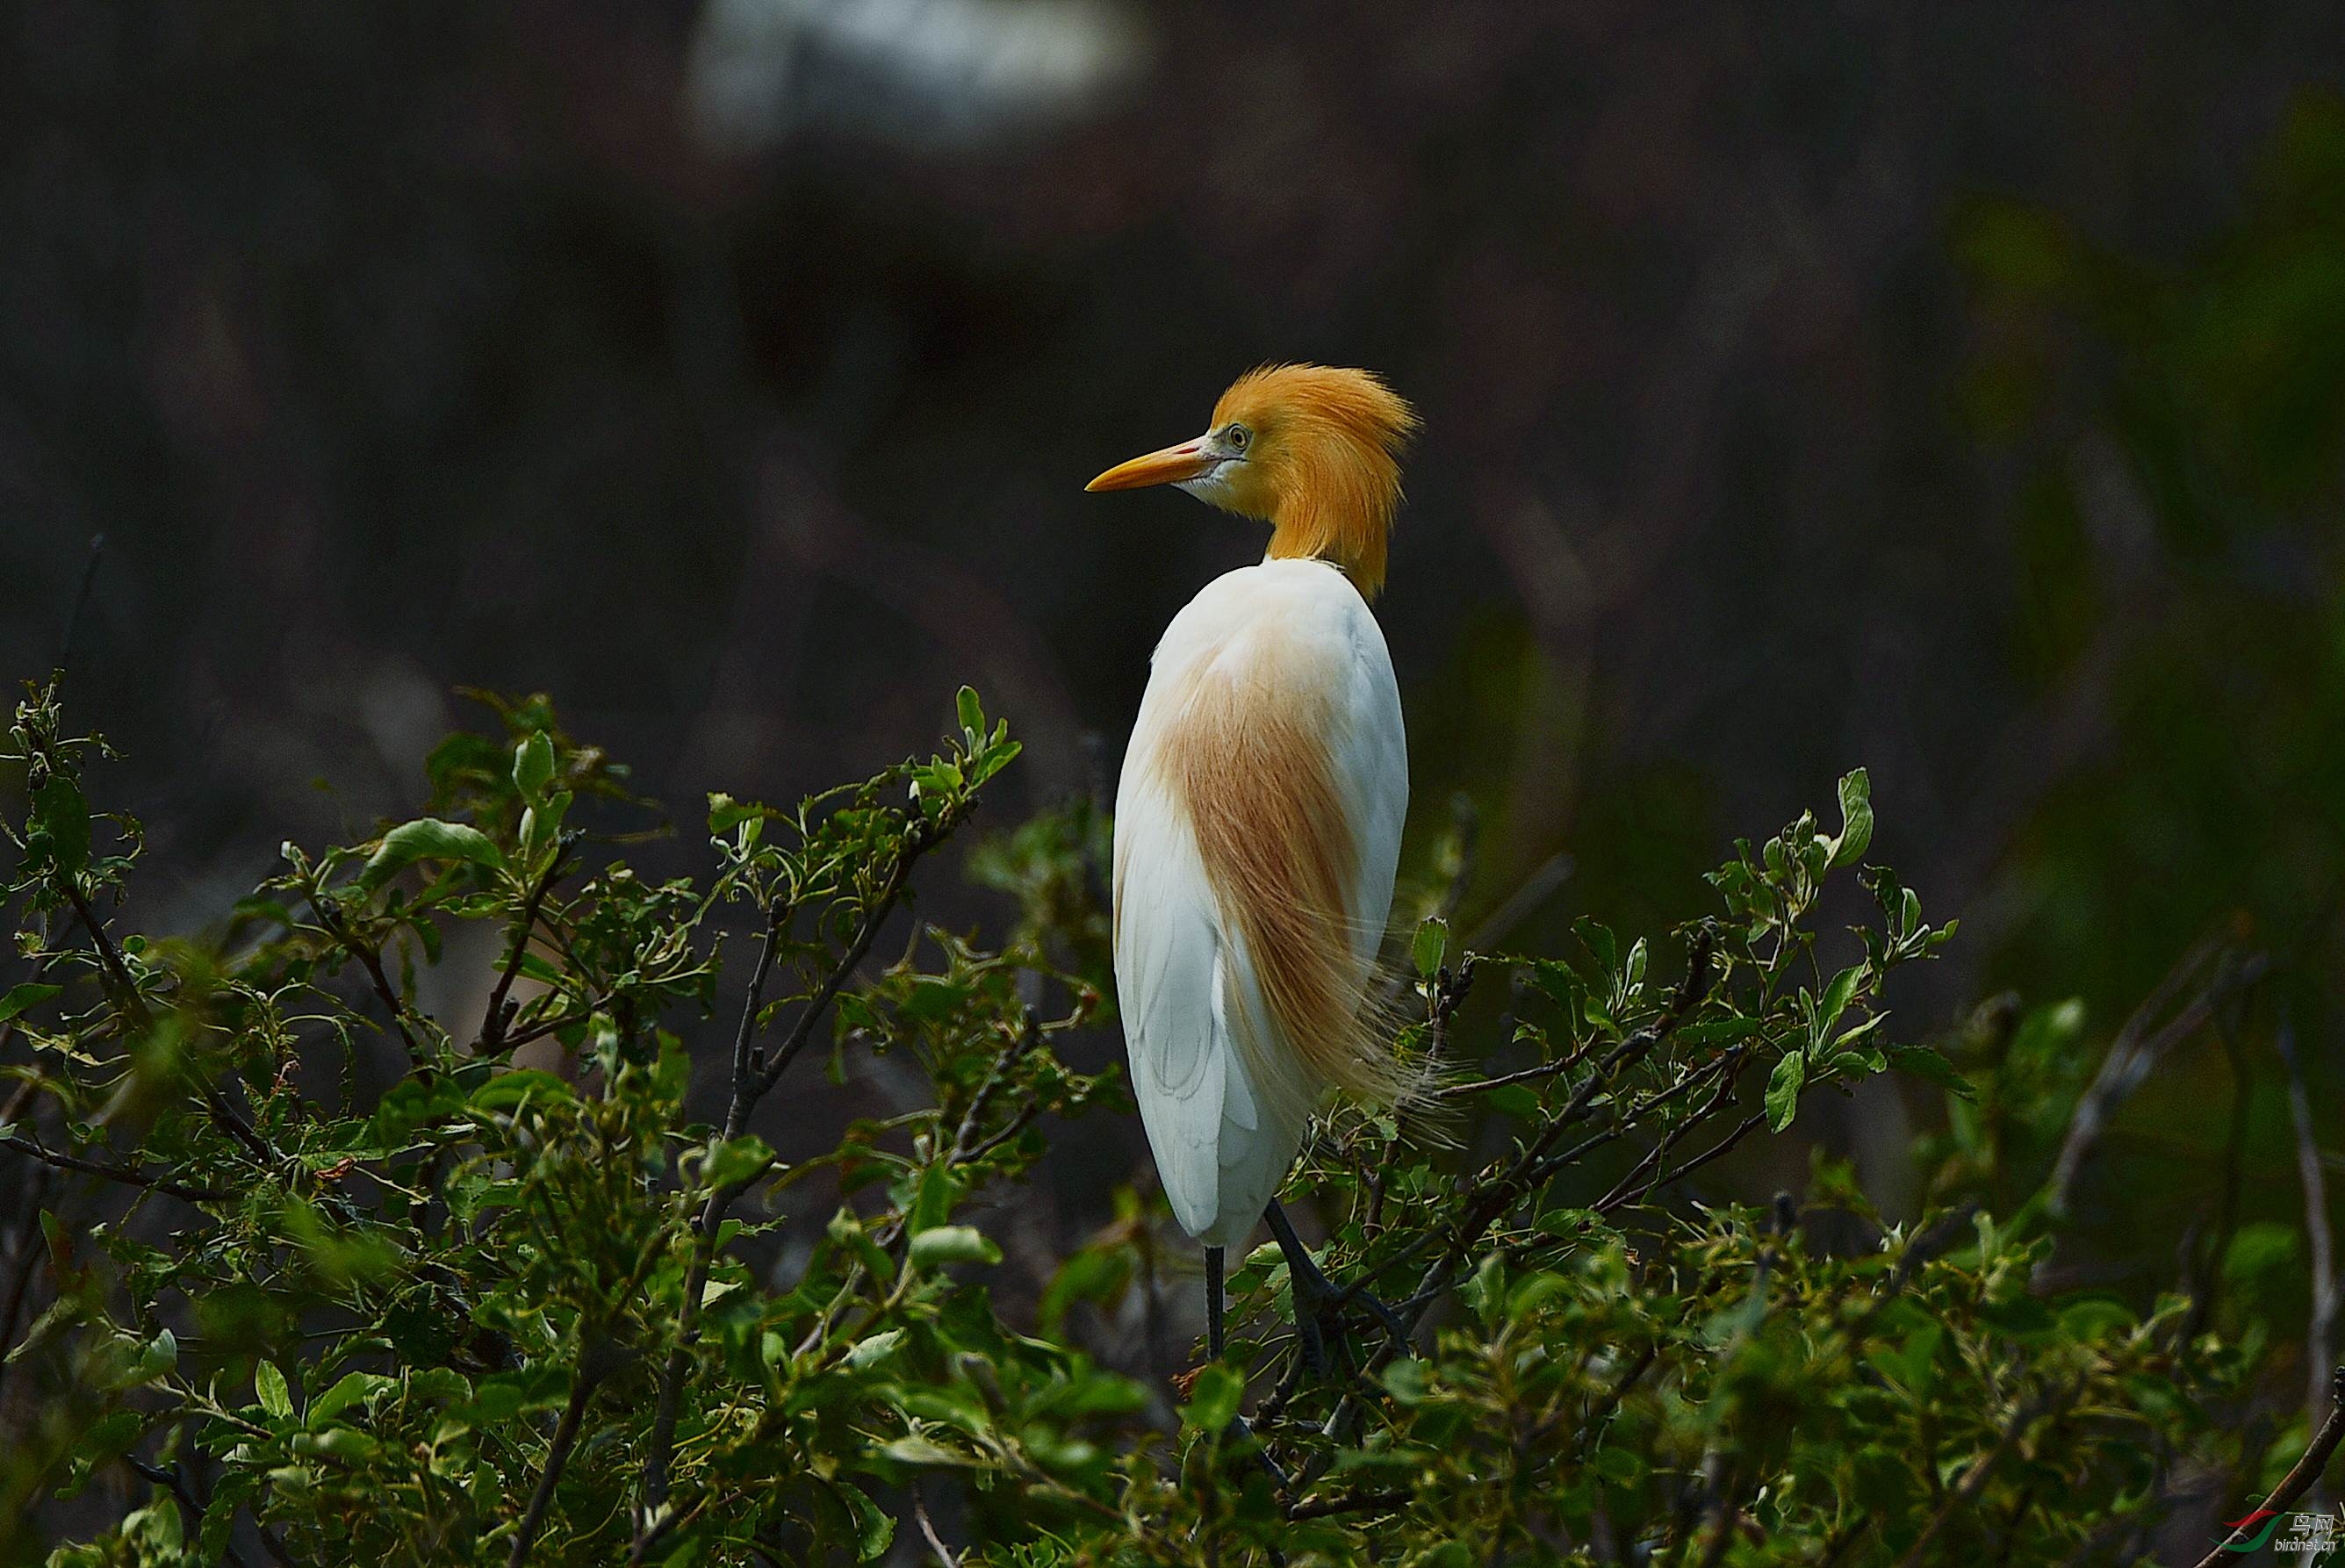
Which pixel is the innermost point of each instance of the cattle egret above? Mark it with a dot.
(1258, 819)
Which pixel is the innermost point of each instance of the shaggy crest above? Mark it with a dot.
(1323, 462)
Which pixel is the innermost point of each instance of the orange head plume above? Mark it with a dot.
(1312, 449)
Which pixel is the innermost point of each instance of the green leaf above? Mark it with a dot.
(345, 1443)
(1920, 1062)
(726, 813)
(875, 1527)
(1519, 1100)
(109, 1436)
(269, 1383)
(875, 1349)
(933, 1204)
(1717, 1030)
(428, 839)
(736, 1160)
(953, 1244)
(61, 819)
(157, 1357)
(972, 716)
(1783, 1089)
(349, 1391)
(1213, 1399)
(917, 1449)
(1405, 1380)
(1620, 1466)
(32, 993)
(533, 768)
(1855, 817)
(508, 1090)
(1837, 998)
(1432, 944)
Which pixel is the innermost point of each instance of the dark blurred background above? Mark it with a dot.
(1958, 391)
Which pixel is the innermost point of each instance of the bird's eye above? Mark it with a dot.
(1237, 435)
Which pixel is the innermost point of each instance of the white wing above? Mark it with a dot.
(1221, 1145)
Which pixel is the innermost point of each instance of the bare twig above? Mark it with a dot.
(2226, 1212)
(122, 987)
(27, 1260)
(1522, 903)
(190, 1508)
(370, 959)
(557, 1456)
(919, 839)
(945, 1554)
(81, 602)
(2299, 1480)
(1523, 1075)
(1355, 1503)
(1495, 1197)
(753, 1077)
(493, 1019)
(1716, 1151)
(2320, 1243)
(1974, 1480)
(33, 1149)
(2135, 1051)
(1646, 1176)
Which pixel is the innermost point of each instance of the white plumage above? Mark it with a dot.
(1289, 645)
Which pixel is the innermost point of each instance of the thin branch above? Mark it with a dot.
(1532, 891)
(557, 1455)
(2319, 1333)
(1974, 1480)
(945, 1554)
(120, 982)
(2299, 1480)
(1524, 1075)
(1602, 1410)
(1356, 1502)
(2135, 1051)
(1716, 1151)
(370, 959)
(1029, 1033)
(918, 840)
(191, 1509)
(753, 1077)
(1645, 1176)
(2226, 1212)
(32, 1150)
(122, 987)
(665, 1414)
(494, 1019)
(81, 602)
(1505, 1191)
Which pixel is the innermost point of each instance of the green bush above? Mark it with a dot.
(331, 1281)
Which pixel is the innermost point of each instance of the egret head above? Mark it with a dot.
(1312, 449)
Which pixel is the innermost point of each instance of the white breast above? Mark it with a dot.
(1292, 644)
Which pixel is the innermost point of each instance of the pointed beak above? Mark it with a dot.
(1171, 465)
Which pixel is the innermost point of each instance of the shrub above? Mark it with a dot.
(330, 1279)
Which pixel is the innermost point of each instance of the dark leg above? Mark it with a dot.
(1316, 1296)
(1215, 1304)
(1216, 1342)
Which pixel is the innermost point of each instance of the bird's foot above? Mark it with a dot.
(1321, 1308)
(1320, 1304)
